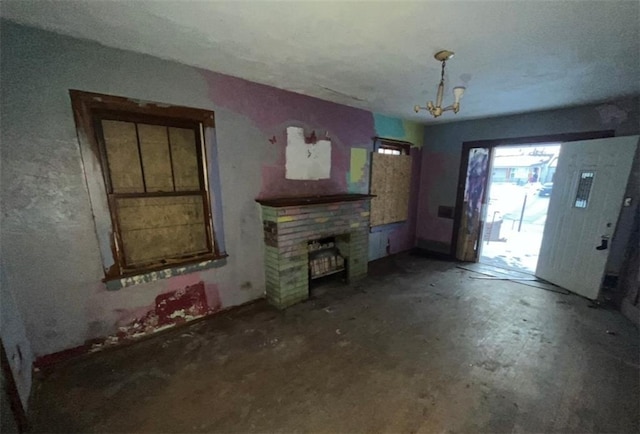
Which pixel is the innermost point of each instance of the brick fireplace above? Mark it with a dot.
(290, 224)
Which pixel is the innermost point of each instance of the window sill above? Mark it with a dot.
(387, 227)
(165, 273)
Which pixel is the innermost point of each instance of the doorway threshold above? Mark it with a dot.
(490, 272)
(495, 271)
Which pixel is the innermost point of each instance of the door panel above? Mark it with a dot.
(587, 196)
(474, 198)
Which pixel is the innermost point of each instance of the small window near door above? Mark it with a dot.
(389, 148)
(390, 182)
(584, 189)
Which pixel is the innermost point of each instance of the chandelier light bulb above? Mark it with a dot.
(457, 93)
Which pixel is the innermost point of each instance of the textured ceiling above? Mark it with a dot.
(513, 57)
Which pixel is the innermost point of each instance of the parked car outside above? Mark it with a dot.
(546, 189)
(532, 188)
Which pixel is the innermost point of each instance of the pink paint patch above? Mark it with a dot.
(179, 305)
(184, 280)
(272, 110)
(269, 107)
(170, 308)
(213, 296)
(128, 317)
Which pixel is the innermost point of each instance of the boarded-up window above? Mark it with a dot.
(153, 161)
(390, 183)
(156, 188)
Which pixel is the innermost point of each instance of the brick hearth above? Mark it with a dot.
(289, 224)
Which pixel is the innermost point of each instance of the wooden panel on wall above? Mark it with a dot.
(156, 160)
(121, 145)
(184, 152)
(156, 228)
(377, 188)
(391, 183)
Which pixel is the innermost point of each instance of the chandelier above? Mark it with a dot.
(436, 110)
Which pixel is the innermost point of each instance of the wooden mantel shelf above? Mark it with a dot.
(280, 202)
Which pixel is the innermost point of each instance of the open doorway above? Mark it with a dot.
(519, 187)
(577, 232)
(473, 185)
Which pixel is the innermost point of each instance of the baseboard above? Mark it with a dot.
(434, 246)
(425, 253)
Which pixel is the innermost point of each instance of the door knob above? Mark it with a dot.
(604, 244)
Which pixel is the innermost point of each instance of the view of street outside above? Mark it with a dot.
(517, 207)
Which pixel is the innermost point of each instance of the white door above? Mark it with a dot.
(588, 191)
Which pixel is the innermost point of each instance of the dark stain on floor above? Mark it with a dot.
(418, 346)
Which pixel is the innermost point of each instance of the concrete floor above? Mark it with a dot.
(419, 346)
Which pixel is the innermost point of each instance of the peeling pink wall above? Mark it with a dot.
(272, 110)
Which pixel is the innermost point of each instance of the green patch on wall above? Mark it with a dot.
(414, 133)
(398, 129)
(359, 158)
(388, 127)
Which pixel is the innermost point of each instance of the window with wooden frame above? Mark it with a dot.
(387, 147)
(154, 166)
(390, 181)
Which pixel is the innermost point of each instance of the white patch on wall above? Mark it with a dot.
(307, 161)
(611, 114)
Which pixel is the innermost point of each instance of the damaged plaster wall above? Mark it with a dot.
(51, 247)
(443, 146)
(307, 158)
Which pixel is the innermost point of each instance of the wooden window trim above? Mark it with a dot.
(399, 145)
(87, 107)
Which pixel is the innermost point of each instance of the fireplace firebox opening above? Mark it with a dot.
(325, 258)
